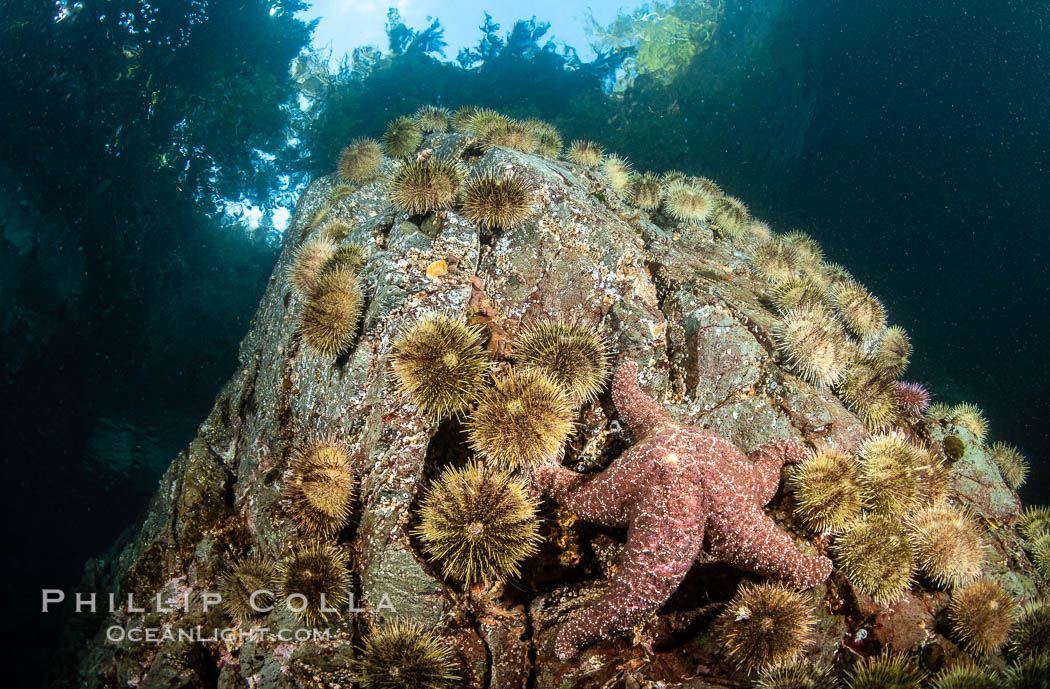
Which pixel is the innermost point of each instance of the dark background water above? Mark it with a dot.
(910, 138)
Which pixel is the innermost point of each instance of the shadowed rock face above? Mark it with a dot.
(678, 300)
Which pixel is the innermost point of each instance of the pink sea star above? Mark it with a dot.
(677, 490)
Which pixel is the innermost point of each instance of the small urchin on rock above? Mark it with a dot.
(967, 675)
(572, 354)
(440, 365)
(891, 474)
(893, 351)
(308, 260)
(814, 344)
(948, 544)
(870, 394)
(886, 671)
(766, 625)
(970, 417)
(313, 579)
(827, 489)
(522, 420)
(585, 154)
(982, 615)
(432, 118)
(479, 523)
(687, 202)
(359, 162)
(863, 314)
(319, 487)
(798, 294)
(730, 214)
(421, 186)
(494, 200)
(776, 261)
(799, 674)
(402, 137)
(875, 554)
(1031, 632)
(248, 576)
(403, 655)
(550, 142)
(645, 191)
(462, 117)
(512, 134)
(618, 172)
(1012, 465)
(484, 120)
(329, 319)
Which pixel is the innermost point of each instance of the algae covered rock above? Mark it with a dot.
(679, 298)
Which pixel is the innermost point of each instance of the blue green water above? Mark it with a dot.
(911, 139)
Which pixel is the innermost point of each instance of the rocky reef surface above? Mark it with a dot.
(679, 299)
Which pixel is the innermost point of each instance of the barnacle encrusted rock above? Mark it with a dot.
(680, 300)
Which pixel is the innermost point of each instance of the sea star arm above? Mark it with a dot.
(641, 412)
(662, 543)
(767, 460)
(745, 537)
(600, 498)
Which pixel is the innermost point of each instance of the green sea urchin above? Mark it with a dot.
(440, 365)
(765, 625)
(948, 544)
(970, 417)
(687, 202)
(799, 674)
(359, 162)
(798, 294)
(1031, 672)
(329, 319)
(549, 140)
(645, 191)
(870, 394)
(307, 263)
(1031, 632)
(585, 154)
(478, 523)
(425, 185)
(776, 261)
(402, 655)
(493, 200)
(967, 676)
(730, 214)
(314, 580)
(981, 615)
(618, 172)
(522, 420)
(245, 578)
(402, 137)
(875, 554)
(1034, 522)
(484, 120)
(462, 117)
(814, 344)
(891, 473)
(828, 491)
(319, 487)
(886, 671)
(572, 354)
(1013, 466)
(863, 314)
(432, 118)
(893, 351)
(511, 134)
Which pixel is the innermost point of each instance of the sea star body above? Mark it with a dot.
(677, 490)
